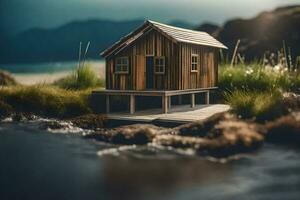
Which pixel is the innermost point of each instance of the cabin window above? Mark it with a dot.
(122, 64)
(194, 63)
(159, 65)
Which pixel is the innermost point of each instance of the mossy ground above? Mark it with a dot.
(46, 101)
(83, 77)
(254, 91)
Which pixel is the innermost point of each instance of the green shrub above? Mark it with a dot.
(259, 105)
(82, 78)
(244, 77)
(254, 77)
(241, 103)
(268, 106)
(46, 101)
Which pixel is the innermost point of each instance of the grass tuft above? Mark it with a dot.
(254, 77)
(46, 101)
(82, 78)
(261, 106)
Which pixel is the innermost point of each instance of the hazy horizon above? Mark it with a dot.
(18, 15)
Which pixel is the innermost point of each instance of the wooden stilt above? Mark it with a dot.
(107, 103)
(169, 102)
(192, 100)
(164, 103)
(207, 97)
(132, 104)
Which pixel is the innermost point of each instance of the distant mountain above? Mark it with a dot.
(62, 43)
(212, 29)
(265, 32)
(258, 35)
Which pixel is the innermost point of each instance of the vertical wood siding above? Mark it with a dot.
(178, 73)
(207, 69)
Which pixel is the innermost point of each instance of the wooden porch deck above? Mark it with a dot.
(177, 114)
(164, 94)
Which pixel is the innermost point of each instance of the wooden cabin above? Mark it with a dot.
(161, 60)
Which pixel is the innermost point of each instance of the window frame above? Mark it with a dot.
(158, 66)
(194, 63)
(121, 65)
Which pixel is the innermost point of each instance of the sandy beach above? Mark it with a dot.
(31, 79)
(48, 78)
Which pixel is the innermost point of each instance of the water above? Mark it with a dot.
(36, 164)
(47, 67)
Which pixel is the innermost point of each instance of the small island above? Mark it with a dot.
(263, 100)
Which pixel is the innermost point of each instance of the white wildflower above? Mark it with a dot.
(249, 71)
(268, 68)
(278, 68)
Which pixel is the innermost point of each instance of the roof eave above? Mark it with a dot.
(108, 50)
(200, 44)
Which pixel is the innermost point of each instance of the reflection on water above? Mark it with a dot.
(132, 179)
(39, 165)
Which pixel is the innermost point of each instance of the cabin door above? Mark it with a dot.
(149, 72)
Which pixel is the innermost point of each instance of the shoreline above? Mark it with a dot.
(34, 76)
(268, 117)
(221, 136)
(39, 78)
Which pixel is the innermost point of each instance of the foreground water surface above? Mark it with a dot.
(37, 164)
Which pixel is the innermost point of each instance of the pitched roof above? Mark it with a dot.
(189, 36)
(174, 33)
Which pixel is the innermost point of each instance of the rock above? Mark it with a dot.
(23, 116)
(233, 137)
(5, 110)
(131, 134)
(17, 117)
(91, 121)
(227, 137)
(54, 125)
(201, 128)
(285, 130)
(30, 116)
(219, 136)
(291, 101)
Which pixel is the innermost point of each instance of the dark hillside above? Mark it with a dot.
(258, 35)
(264, 32)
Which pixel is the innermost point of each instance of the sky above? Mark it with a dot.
(17, 15)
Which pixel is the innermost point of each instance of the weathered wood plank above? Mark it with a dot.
(132, 104)
(207, 97)
(178, 75)
(192, 100)
(180, 114)
(164, 103)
